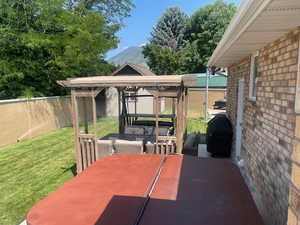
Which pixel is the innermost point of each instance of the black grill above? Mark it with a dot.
(219, 136)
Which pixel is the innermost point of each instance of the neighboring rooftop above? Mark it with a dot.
(213, 81)
(133, 69)
(257, 23)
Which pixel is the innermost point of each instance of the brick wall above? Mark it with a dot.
(268, 124)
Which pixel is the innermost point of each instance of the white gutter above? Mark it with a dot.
(249, 11)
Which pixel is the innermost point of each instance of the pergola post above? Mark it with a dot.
(85, 116)
(179, 122)
(75, 117)
(85, 143)
(156, 123)
(119, 110)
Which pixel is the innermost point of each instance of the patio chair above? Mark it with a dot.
(128, 147)
(104, 148)
(138, 130)
(149, 130)
(163, 131)
(150, 148)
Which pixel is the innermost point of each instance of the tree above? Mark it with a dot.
(42, 41)
(162, 61)
(167, 40)
(204, 30)
(170, 29)
(113, 10)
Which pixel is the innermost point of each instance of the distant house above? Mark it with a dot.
(261, 49)
(197, 93)
(135, 104)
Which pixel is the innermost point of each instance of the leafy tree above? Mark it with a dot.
(204, 30)
(191, 52)
(162, 60)
(113, 10)
(42, 41)
(170, 29)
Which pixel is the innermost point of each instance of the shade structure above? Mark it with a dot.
(125, 81)
(159, 87)
(151, 189)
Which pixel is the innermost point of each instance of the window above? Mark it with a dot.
(253, 76)
(297, 100)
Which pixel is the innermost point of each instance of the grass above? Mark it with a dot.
(196, 125)
(31, 169)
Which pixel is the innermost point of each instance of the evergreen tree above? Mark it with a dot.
(167, 39)
(162, 61)
(170, 29)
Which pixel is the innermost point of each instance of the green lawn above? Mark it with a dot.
(31, 169)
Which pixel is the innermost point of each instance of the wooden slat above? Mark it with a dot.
(94, 149)
(166, 138)
(88, 152)
(83, 154)
(179, 131)
(86, 136)
(85, 115)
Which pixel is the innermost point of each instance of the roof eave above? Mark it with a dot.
(247, 13)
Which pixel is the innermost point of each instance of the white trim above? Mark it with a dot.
(251, 81)
(297, 94)
(233, 32)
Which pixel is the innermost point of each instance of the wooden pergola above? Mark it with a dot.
(166, 86)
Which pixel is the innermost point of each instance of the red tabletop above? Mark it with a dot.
(99, 195)
(114, 190)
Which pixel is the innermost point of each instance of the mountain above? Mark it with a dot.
(129, 55)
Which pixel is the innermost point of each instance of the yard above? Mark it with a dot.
(31, 169)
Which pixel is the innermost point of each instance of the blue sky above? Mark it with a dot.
(145, 15)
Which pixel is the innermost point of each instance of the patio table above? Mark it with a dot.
(151, 189)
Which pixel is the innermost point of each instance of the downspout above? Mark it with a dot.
(206, 96)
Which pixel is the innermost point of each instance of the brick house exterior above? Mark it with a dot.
(270, 131)
(269, 123)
